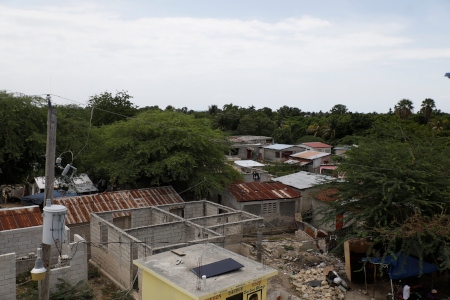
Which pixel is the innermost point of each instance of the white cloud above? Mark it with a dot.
(85, 48)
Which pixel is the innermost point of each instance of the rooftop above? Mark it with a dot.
(257, 191)
(303, 180)
(248, 163)
(81, 183)
(317, 145)
(252, 139)
(278, 146)
(80, 207)
(20, 217)
(164, 266)
(310, 154)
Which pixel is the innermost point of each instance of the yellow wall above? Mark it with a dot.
(156, 289)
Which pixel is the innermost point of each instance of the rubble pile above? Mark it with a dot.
(312, 284)
(303, 263)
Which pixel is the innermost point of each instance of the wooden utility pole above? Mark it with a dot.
(44, 285)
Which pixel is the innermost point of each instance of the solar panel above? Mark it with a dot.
(217, 268)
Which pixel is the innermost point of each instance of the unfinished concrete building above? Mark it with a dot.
(162, 228)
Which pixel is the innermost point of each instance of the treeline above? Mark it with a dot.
(163, 146)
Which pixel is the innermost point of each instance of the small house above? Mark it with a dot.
(312, 159)
(177, 275)
(280, 152)
(248, 146)
(317, 146)
(251, 170)
(276, 202)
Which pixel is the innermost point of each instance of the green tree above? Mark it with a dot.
(427, 108)
(283, 135)
(339, 109)
(397, 190)
(23, 127)
(163, 148)
(404, 109)
(256, 124)
(109, 109)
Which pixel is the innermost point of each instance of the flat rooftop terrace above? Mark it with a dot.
(165, 267)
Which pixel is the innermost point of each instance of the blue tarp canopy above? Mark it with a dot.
(402, 266)
(447, 75)
(37, 199)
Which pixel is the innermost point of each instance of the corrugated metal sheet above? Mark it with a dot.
(303, 180)
(278, 146)
(248, 163)
(257, 191)
(317, 145)
(20, 217)
(80, 207)
(310, 154)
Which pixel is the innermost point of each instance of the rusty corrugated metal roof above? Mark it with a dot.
(80, 207)
(20, 217)
(257, 191)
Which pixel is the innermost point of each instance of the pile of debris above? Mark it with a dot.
(305, 266)
(312, 284)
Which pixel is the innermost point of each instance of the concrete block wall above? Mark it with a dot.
(160, 235)
(23, 241)
(211, 209)
(8, 276)
(115, 257)
(141, 217)
(193, 210)
(77, 270)
(217, 219)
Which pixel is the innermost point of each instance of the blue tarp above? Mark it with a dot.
(37, 199)
(402, 266)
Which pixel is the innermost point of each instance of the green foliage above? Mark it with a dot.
(109, 109)
(66, 291)
(288, 247)
(398, 174)
(280, 169)
(93, 271)
(23, 123)
(27, 289)
(161, 148)
(256, 124)
(404, 109)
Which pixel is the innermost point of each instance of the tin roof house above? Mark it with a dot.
(276, 202)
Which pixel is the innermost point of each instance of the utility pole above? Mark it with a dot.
(44, 285)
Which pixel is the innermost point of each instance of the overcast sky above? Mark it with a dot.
(367, 55)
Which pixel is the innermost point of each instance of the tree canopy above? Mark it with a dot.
(23, 122)
(109, 109)
(163, 147)
(397, 190)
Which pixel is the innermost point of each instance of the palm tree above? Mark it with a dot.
(315, 129)
(329, 130)
(427, 108)
(438, 124)
(404, 108)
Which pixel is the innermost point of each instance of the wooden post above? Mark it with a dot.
(44, 285)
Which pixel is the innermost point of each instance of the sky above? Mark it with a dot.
(364, 54)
